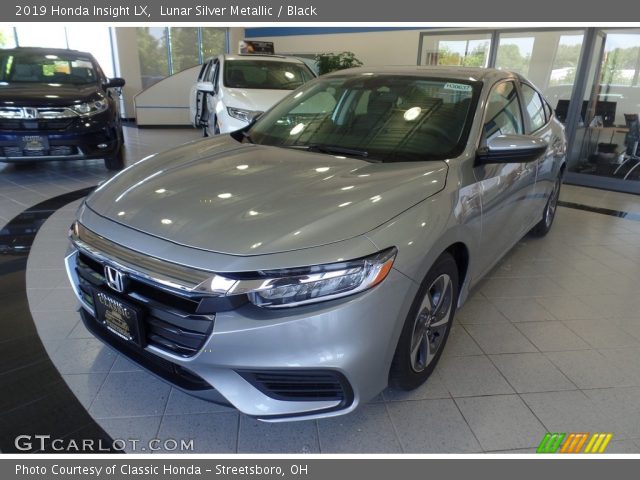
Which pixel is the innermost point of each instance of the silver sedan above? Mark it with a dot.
(297, 267)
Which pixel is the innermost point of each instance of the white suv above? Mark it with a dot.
(232, 89)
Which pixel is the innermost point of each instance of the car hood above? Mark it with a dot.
(242, 199)
(46, 95)
(254, 99)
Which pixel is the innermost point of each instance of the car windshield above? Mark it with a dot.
(30, 67)
(265, 74)
(384, 118)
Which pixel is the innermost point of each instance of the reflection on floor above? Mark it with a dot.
(550, 341)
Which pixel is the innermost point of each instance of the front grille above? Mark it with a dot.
(43, 124)
(301, 385)
(13, 151)
(170, 320)
(171, 372)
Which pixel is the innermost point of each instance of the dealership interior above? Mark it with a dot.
(548, 341)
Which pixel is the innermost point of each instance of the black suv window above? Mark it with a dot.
(32, 67)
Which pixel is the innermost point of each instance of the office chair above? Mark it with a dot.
(631, 140)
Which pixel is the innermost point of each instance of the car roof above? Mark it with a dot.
(44, 50)
(460, 73)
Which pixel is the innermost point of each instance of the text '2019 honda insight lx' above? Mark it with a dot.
(297, 267)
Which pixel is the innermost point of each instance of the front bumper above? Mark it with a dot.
(60, 139)
(307, 362)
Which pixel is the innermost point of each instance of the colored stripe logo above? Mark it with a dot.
(574, 442)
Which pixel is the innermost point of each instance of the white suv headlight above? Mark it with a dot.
(300, 286)
(91, 108)
(241, 114)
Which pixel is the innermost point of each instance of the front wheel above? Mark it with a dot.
(544, 226)
(427, 326)
(115, 162)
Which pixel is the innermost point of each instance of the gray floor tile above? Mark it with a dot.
(367, 430)
(571, 411)
(123, 364)
(130, 394)
(531, 372)
(520, 287)
(83, 355)
(552, 336)
(136, 434)
(181, 403)
(471, 376)
(522, 309)
(434, 387)
(603, 333)
(623, 404)
(55, 325)
(496, 338)
(432, 426)
(262, 437)
(622, 446)
(459, 343)
(589, 369)
(85, 386)
(627, 359)
(210, 432)
(568, 308)
(478, 310)
(501, 422)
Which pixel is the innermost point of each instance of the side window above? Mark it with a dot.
(503, 113)
(213, 68)
(534, 106)
(203, 71)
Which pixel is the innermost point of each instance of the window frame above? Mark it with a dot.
(525, 124)
(544, 104)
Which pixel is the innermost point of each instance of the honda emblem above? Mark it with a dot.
(115, 278)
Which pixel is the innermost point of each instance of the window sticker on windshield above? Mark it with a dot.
(460, 87)
(81, 64)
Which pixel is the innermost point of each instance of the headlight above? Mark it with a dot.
(91, 108)
(243, 115)
(299, 286)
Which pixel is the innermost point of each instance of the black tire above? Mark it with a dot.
(544, 226)
(407, 371)
(115, 162)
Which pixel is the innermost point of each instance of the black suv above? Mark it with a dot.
(58, 105)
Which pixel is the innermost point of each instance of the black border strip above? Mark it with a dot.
(35, 399)
(604, 211)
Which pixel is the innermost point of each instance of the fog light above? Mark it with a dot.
(102, 145)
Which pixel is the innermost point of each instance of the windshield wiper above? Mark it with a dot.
(332, 149)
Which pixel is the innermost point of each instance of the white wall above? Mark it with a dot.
(371, 48)
(167, 102)
(125, 50)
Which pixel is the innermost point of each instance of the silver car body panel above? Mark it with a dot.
(421, 208)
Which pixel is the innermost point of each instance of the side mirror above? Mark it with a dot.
(205, 87)
(511, 149)
(115, 82)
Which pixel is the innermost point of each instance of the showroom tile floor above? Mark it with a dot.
(549, 341)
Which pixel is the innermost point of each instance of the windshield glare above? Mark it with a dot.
(387, 118)
(43, 68)
(265, 74)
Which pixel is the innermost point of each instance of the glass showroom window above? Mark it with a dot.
(164, 51)
(606, 145)
(459, 49)
(7, 37)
